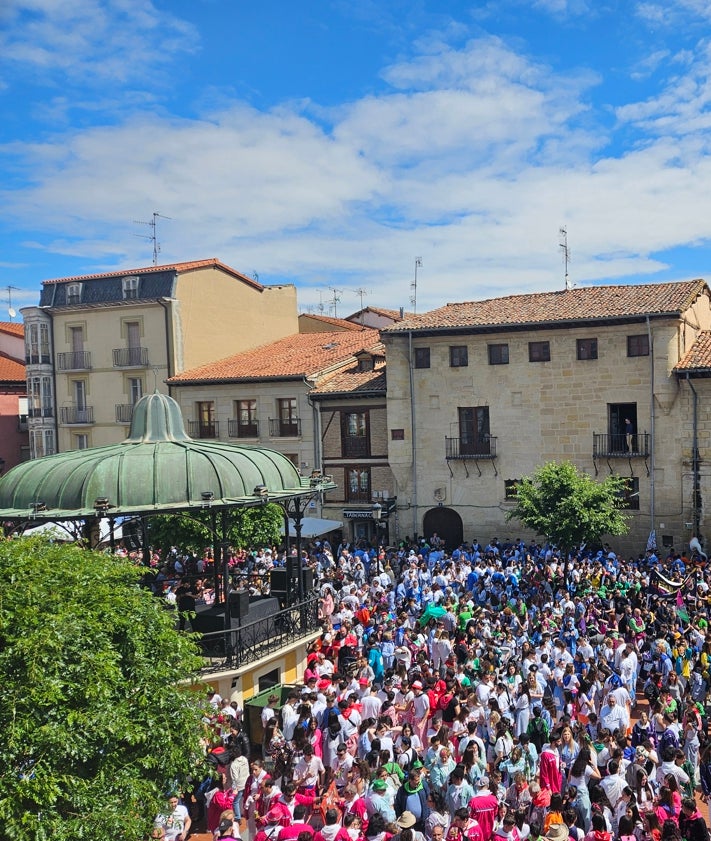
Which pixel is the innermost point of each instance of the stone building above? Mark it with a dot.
(97, 343)
(481, 393)
(14, 446)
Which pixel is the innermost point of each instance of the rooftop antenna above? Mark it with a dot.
(335, 300)
(10, 309)
(152, 236)
(413, 285)
(566, 255)
(320, 306)
(360, 292)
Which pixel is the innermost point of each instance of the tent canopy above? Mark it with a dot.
(313, 527)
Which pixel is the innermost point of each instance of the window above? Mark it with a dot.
(355, 434)
(498, 354)
(246, 414)
(638, 345)
(42, 443)
(458, 357)
(422, 357)
(474, 435)
(130, 286)
(288, 419)
(135, 389)
(511, 488)
(81, 442)
(586, 349)
(622, 428)
(37, 344)
(630, 493)
(207, 427)
(357, 484)
(74, 293)
(539, 351)
(397, 434)
(40, 399)
(366, 363)
(79, 390)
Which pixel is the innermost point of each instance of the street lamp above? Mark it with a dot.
(377, 513)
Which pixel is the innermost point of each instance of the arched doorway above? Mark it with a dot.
(448, 525)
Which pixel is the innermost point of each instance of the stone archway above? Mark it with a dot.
(448, 525)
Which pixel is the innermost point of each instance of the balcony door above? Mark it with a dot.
(474, 430)
(288, 418)
(206, 419)
(619, 414)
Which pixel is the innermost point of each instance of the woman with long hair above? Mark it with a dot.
(644, 792)
(582, 771)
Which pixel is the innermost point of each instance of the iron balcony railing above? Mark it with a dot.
(33, 358)
(41, 412)
(248, 643)
(124, 412)
(235, 429)
(470, 447)
(290, 428)
(201, 429)
(620, 445)
(71, 416)
(130, 357)
(74, 360)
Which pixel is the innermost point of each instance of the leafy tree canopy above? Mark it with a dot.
(94, 722)
(245, 528)
(569, 507)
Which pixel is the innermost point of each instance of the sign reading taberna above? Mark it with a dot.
(354, 514)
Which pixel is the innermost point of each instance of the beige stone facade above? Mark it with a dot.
(509, 400)
(109, 339)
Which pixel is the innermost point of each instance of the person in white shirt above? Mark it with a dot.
(289, 716)
(268, 712)
(177, 822)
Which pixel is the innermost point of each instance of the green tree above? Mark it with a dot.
(96, 720)
(245, 528)
(569, 507)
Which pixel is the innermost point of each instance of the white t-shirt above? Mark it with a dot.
(174, 823)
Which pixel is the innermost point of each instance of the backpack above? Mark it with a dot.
(538, 731)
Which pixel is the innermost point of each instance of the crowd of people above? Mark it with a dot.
(491, 693)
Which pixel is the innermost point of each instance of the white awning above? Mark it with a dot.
(313, 527)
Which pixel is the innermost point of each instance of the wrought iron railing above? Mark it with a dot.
(72, 416)
(236, 429)
(470, 447)
(130, 357)
(124, 412)
(279, 428)
(204, 429)
(621, 445)
(74, 360)
(251, 641)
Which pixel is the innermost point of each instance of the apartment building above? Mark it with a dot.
(97, 343)
(481, 393)
(14, 441)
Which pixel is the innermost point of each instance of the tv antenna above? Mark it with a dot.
(153, 235)
(361, 292)
(10, 309)
(413, 285)
(566, 255)
(335, 300)
(321, 306)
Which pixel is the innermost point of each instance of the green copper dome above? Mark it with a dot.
(157, 468)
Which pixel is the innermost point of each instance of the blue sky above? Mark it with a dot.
(329, 143)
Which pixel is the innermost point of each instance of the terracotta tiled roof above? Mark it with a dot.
(352, 381)
(580, 304)
(11, 370)
(394, 314)
(177, 267)
(699, 355)
(13, 327)
(296, 356)
(336, 322)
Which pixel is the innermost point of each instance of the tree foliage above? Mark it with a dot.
(95, 723)
(246, 528)
(569, 507)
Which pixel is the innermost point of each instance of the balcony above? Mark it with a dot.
(201, 429)
(356, 446)
(37, 358)
(290, 428)
(130, 357)
(72, 416)
(74, 360)
(235, 429)
(470, 448)
(124, 412)
(41, 412)
(362, 496)
(621, 445)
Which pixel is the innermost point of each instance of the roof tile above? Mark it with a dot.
(13, 327)
(351, 381)
(299, 355)
(11, 370)
(698, 356)
(177, 267)
(579, 304)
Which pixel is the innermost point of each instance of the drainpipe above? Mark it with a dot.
(651, 424)
(414, 438)
(317, 458)
(695, 457)
(168, 338)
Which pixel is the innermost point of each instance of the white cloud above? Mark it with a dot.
(473, 161)
(88, 41)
